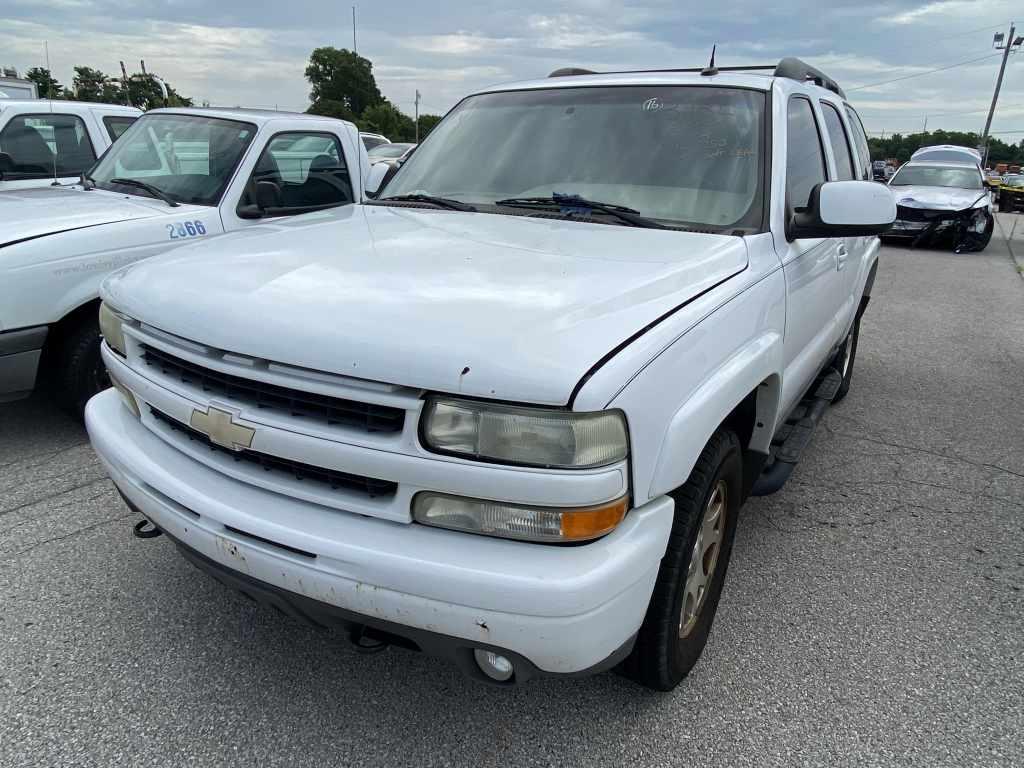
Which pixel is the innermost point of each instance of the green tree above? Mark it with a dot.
(93, 85)
(332, 108)
(145, 93)
(386, 118)
(341, 75)
(902, 147)
(46, 83)
(427, 123)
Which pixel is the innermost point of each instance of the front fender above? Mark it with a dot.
(753, 368)
(676, 403)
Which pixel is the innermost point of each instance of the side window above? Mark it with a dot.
(859, 136)
(840, 144)
(307, 169)
(805, 159)
(117, 125)
(36, 146)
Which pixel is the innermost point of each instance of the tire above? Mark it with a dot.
(667, 647)
(76, 369)
(844, 360)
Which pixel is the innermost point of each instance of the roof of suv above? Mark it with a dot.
(792, 73)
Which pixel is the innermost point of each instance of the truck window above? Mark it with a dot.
(861, 138)
(45, 145)
(308, 169)
(840, 143)
(187, 157)
(805, 159)
(117, 125)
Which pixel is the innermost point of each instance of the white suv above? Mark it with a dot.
(507, 412)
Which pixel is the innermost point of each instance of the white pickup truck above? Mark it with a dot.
(175, 177)
(507, 412)
(42, 142)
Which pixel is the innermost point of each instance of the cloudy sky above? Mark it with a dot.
(231, 52)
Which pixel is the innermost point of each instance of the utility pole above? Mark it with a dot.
(124, 85)
(354, 49)
(1006, 45)
(417, 115)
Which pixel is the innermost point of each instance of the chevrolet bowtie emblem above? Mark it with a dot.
(221, 428)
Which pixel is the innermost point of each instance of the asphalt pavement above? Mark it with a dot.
(873, 613)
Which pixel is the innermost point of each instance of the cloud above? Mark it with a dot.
(231, 53)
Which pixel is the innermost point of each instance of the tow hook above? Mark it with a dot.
(145, 530)
(363, 644)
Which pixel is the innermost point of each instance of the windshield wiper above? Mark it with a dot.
(154, 191)
(86, 181)
(440, 202)
(572, 205)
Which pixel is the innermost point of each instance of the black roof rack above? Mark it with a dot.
(790, 67)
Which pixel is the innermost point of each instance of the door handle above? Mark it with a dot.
(841, 255)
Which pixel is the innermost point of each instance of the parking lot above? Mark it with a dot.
(873, 612)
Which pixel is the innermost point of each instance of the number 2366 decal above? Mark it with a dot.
(185, 229)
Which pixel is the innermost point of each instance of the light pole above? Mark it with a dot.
(417, 112)
(1007, 45)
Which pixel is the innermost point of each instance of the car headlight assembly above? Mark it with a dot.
(555, 525)
(534, 437)
(112, 329)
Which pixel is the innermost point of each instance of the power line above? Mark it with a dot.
(980, 29)
(928, 72)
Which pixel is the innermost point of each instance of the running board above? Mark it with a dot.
(795, 434)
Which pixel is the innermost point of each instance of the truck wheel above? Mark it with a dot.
(77, 369)
(845, 358)
(692, 573)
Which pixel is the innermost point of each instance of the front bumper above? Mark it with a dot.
(557, 610)
(963, 230)
(20, 352)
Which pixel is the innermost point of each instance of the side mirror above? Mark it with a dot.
(375, 178)
(6, 164)
(844, 209)
(268, 198)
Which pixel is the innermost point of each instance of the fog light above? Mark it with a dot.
(494, 665)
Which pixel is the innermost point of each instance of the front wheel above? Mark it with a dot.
(78, 371)
(845, 358)
(689, 584)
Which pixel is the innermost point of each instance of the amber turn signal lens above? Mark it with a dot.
(581, 524)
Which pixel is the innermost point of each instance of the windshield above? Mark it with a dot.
(936, 176)
(1014, 181)
(388, 151)
(687, 155)
(187, 157)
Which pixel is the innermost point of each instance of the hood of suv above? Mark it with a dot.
(937, 198)
(504, 307)
(30, 213)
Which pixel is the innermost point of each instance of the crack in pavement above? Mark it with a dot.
(76, 532)
(41, 499)
(51, 510)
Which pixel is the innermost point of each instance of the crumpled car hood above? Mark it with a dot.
(937, 198)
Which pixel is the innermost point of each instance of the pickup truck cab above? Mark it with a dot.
(42, 142)
(177, 176)
(507, 412)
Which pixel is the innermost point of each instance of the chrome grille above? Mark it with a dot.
(317, 408)
(327, 478)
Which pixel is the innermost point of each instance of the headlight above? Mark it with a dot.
(111, 326)
(513, 434)
(515, 521)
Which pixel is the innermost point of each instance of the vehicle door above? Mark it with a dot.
(809, 264)
(852, 250)
(40, 147)
(297, 172)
